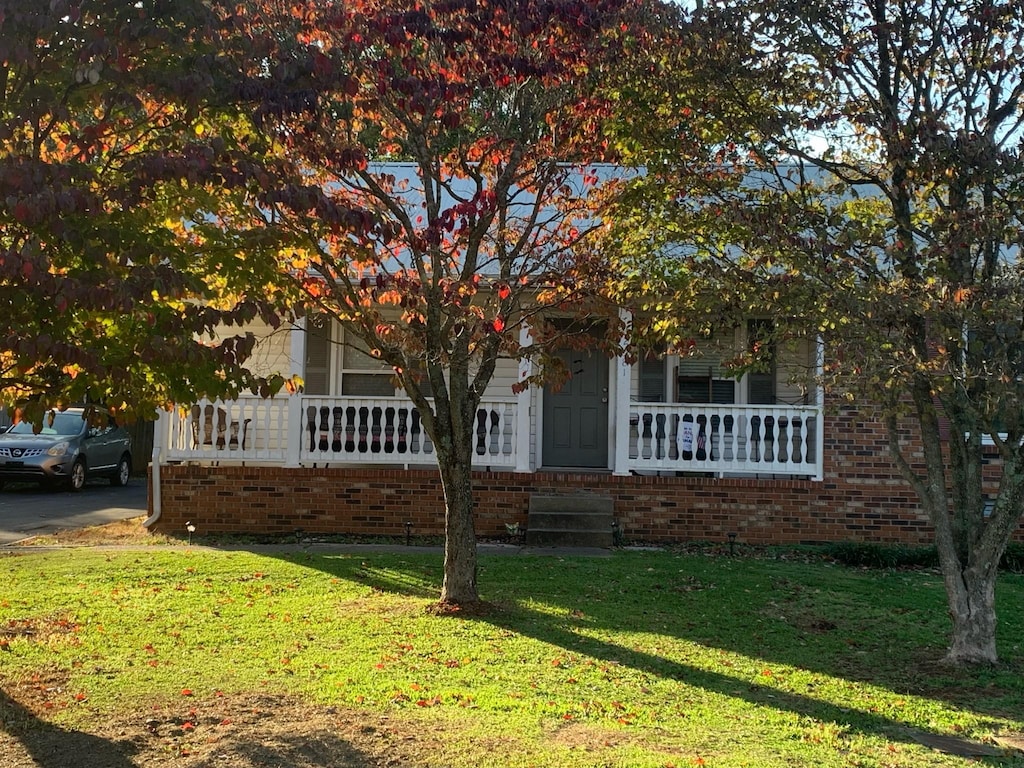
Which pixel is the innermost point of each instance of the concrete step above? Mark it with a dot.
(584, 503)
(550, 538)
(571, 521)
(576, 520)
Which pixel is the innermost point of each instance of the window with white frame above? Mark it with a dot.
(317, 368)
(701, 377)
(362, 374)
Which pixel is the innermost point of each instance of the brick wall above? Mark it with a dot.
(862, 498)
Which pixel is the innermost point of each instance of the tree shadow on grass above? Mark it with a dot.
(239, 731)
(545, 628)
(688, 610)
(51, 746)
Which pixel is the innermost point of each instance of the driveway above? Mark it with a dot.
(28, 510)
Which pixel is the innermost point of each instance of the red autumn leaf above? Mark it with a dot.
(186, 691)
(187, 726)
(504, 291)
(80, 697)
(498, 324)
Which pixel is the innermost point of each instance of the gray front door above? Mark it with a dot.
(576, 416)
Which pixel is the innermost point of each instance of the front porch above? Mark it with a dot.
(643, 438)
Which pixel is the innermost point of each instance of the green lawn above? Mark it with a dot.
(641, 659)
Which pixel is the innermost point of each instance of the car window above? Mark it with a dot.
(54, 423)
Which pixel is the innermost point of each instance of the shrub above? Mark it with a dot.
(1013, 558)
(872, 555)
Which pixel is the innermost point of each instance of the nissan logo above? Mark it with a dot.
(16, 452)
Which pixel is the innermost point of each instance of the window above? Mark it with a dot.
(700, 378)
(362, 374)
(318, 355)
(651, 370)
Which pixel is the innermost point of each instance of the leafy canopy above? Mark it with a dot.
(117, 158)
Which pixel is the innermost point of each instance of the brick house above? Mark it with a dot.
(682, 451)
(672, 448)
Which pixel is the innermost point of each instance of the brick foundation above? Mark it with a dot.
(862, 498)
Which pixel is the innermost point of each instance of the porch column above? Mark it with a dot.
(297, 359)
(819, 400)
(523, 399)
(620, 423)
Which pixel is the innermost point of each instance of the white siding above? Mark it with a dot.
(795, 373)
(271, 354)
(506, 372)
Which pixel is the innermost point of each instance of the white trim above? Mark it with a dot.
(297, 347)
(610, 401)
(819, 401)
(523, 399)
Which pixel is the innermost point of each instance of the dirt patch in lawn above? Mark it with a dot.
(123, 532)
(231, 731)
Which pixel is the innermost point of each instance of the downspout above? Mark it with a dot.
(149, 521)
(158, 455)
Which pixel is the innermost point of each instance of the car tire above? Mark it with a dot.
(76, 479)
(124, 470)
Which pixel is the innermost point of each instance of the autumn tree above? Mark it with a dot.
(117, 151)
(868, 189)
(440, 196)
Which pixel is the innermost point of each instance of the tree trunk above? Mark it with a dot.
(459, 586)
(968, 553)
(972, 607)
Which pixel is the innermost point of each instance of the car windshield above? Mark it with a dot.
(54, 423)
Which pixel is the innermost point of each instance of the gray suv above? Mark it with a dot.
(70, 446)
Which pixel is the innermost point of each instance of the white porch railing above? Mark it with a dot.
(676, 437)
(386, 430)
(305, 430)
(247, 429)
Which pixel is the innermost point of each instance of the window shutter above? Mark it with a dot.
(761, 385)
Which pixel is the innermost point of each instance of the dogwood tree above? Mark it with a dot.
(443, 161)
(114, 161)
(868, 189)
